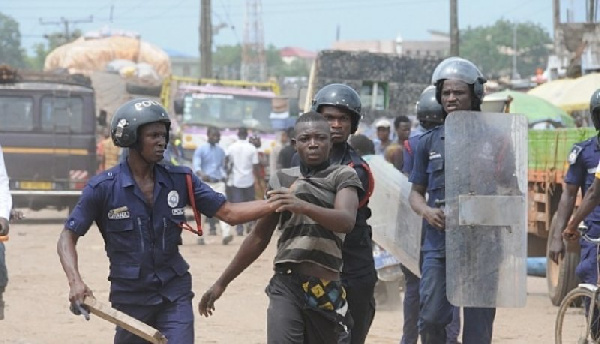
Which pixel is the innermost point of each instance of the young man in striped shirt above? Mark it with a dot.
(316, 206)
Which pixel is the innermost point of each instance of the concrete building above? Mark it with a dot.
(438, 46)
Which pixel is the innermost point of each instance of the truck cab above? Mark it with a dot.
(48, 136)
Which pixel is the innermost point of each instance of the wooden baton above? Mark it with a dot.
(124, 321)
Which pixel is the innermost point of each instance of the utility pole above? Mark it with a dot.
(591, 11)
(66, 23)
(454, 39)
(556, 24)
(205, 39)
(514, 55)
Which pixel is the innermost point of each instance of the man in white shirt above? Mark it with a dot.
(5, 206)
(242, 160)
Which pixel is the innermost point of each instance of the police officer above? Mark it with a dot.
(583, 161)
(138, 206)
(429, 115)
(459, 86)
(341, 106)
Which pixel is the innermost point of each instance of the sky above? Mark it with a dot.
(310, 24)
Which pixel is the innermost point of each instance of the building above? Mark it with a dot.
(183, 64)
(437, 46)
(290, 54)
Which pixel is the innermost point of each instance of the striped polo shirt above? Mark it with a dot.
(302, 239)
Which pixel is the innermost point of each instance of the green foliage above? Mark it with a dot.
(41, 50)
(491, 47)
(11, 52)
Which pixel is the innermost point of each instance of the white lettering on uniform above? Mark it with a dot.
(118, 213)
(177, 211)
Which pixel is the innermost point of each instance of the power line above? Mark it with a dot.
(66, 23)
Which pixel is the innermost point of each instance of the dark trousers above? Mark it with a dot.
(290, 320)
(361, 304)
(3, 271)
(239, 195)
(173, 319)
(410, 330)
(436, 310)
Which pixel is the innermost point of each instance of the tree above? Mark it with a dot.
(11, 52)
(41, 50)
(491, 47)
(227, 61)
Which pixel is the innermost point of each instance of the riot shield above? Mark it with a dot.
(486, 209)
(396, 227)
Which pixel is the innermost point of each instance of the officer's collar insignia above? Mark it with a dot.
(173, 198)
(118, 213)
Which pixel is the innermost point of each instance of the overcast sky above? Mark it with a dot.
(310, 24)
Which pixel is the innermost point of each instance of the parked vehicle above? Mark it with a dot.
(48, 136)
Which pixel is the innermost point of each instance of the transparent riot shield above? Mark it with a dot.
(486, 209)
(396, 227)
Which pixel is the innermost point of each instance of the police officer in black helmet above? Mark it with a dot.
(138, 207)
(341, 106)
(429, 114)
(458, 86)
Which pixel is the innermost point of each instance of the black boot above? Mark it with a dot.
(433, 336)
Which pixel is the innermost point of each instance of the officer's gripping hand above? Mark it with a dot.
(3, 226)
(571, 233)
(206, 306)
(557, 248)
(435, 217)
(283, 199)
(77, 292)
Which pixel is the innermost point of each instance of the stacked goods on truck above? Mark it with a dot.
(120, 65)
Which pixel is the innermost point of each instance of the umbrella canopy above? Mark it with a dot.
(551, 90)
(570, 94)
(536, 109)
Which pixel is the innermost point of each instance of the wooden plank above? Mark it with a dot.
(124, 321)
(540, 197)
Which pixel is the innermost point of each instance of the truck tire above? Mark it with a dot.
(142, 89)
(561, 277)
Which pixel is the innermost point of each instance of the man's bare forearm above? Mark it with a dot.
(68, 255)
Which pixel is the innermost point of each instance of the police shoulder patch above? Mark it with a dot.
(574, 154)
(102, 177)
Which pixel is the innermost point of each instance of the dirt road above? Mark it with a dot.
(37, 311)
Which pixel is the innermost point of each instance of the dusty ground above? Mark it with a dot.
(37, 295)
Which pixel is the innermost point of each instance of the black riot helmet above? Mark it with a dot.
(456, 68)
(428, 108)
(129, 117)
(595, 109)
(341, 96)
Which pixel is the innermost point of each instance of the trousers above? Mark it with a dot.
(173, 319)
(436, 310)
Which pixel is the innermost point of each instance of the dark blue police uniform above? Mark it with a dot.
(436, 310)
(410, 334)
(583, 160)
(149, 277)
